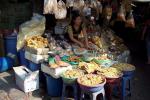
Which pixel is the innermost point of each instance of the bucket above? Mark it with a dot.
(54, 86)
(33, 66)
(5, 63)
(10, 44)
(22, 60)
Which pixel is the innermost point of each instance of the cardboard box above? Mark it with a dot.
(39, 51)
(26, 80)
(35, 58)
(54, 72)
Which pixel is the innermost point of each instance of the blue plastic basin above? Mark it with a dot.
(5, 63)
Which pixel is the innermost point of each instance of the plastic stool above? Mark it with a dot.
(74, 86)
(93, 95)
(110, 85)
(126, 91)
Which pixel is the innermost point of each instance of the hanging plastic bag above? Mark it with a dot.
(78, 4)
(121, 14)
(107, 12)
(93, 4)
(61, 11)
(34, 27)
(86, 10)
(99, 7)
(50, 6)
(69, 3)
(130, 21)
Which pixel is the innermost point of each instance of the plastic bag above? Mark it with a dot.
(99, 7)
(69, 3)
(61, 11)
(34, 27)
(107, 12)
(93, 4)
(130, 21)
(121, 14)
(50, 6)
(78, 4)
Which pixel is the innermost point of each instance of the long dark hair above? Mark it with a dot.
(75, 14)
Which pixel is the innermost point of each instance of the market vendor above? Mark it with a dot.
(76, 31)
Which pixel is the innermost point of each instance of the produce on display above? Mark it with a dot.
(88, 67)
(74, 73)
(37, 42)
(91, 80)
(110, 72)
(74, 59)
(124, 67)
(34, 27)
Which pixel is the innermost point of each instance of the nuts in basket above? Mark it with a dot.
(37, 42)
(74, 73)
(91, 80)
(124, 67)
(110, 72)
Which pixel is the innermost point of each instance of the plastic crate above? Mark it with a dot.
(33, 67)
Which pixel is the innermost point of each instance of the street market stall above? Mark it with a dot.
(96, 68)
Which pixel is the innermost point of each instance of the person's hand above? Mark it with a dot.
(81, 45)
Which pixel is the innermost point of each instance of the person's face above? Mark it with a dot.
(78, 21)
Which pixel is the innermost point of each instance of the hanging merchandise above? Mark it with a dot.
(99, 7)
(114, 5)
(107, 13)
(121, 14)
(127, 5)
(50, 6)
(61, 11)
(69, 3)
(86, 10)
(78, 4)
(130, 21)
(93, 4)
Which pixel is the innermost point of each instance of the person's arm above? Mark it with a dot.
(86, 38)
(75, 40)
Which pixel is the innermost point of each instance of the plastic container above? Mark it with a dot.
(54, 86)
(10, 44)
(22, 59)
(95, 88)
(5, 63)
(33, 67)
